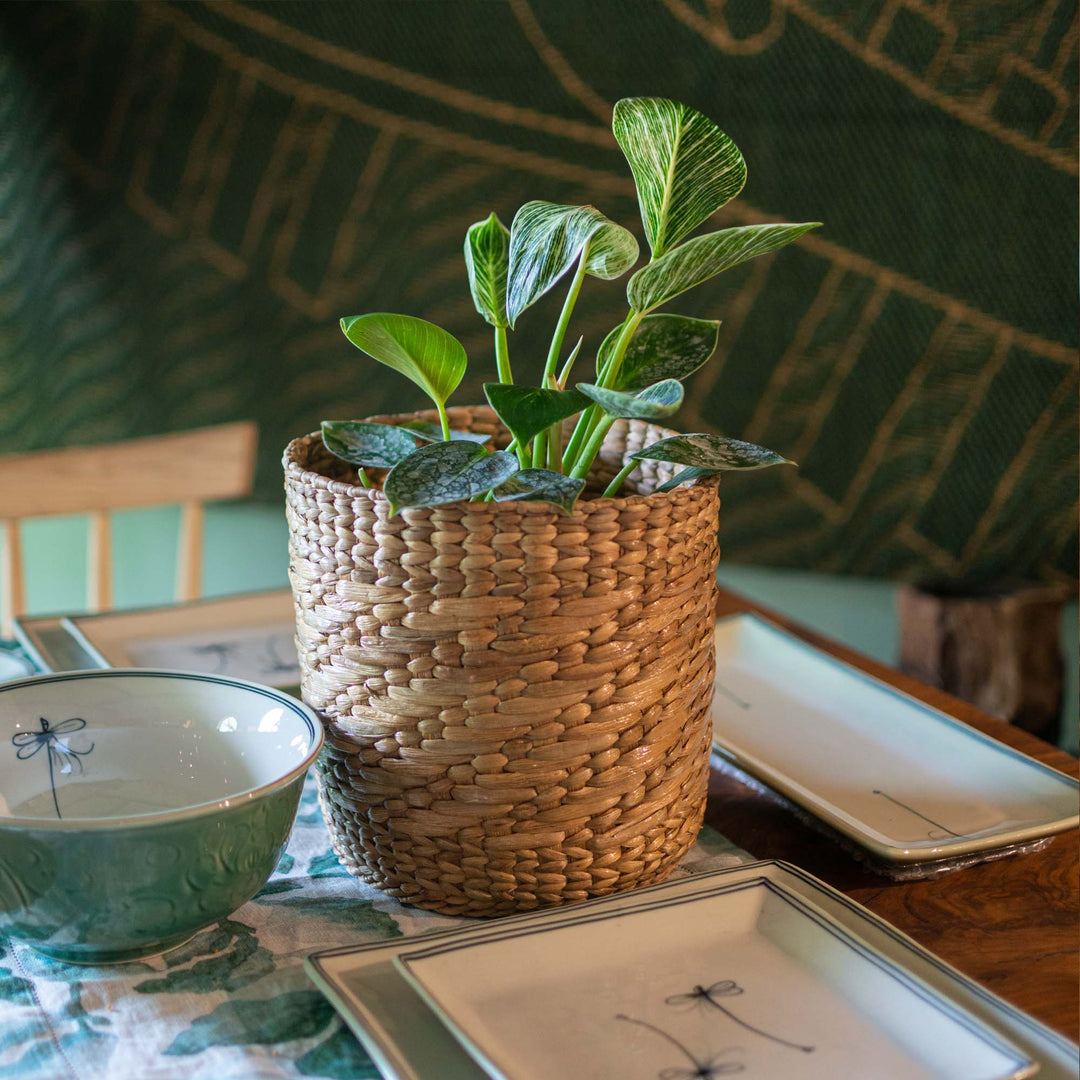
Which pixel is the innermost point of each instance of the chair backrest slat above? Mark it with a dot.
(210, 463)
(189, 558)
(99, 563)
(189, 468)
(12, 592)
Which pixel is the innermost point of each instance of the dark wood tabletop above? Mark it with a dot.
(1012, 924)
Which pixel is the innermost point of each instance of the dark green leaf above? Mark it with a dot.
(541, 485)
(704, 257)
(684, 166)
(487, 256)
(433, 433)
(663, 347)
(546, 240)
(714, 453)
(434, 359)
(683, 475)
(377, 446)
(528, 410)
(446, 472)
(653, 403)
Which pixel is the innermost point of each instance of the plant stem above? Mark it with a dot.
(444, 420)
(564, 317)
(547, 447)
(624, 472)
(588, 420)
(580, 434)
(585, 459)
(364, 479)
(560, 383)
(611, 369)
(539, 455)
(502, 357)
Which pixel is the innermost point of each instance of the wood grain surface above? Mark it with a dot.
(1012, 924)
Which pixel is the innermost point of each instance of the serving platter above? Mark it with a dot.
(907, 782)
(247, 636)
(408, 1041)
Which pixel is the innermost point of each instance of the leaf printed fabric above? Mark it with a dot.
(234, 1002)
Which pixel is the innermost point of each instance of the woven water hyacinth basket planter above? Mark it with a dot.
(516, 700)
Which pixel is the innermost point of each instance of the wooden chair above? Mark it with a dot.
(189, 468)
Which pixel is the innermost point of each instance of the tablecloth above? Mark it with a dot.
(234, 1003)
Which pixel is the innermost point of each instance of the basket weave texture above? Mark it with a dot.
(516, 700)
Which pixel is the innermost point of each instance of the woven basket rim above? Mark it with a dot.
(585, 504)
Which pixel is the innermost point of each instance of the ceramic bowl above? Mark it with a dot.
(139, 806)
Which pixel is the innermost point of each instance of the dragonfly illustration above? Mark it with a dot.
(700, 1068)
(59, 752)
(708, 995)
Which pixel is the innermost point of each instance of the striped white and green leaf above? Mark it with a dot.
(528, 410)
(663, 347)
(706, 454)
(425, 353)
(446, 472)
(546, 240)
(684, 166)
(653, 403)
(541, 485)
(487, 258)
(704, 257)
(374, 446)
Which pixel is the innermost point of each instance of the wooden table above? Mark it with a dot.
(1013, 924)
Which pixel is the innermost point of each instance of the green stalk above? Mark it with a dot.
(547, 450)
(584, 462)
(617, 483)
(502, 357)
(564, 318)
(560, 383)
(611, 370)
(364, 479)
(539, 455)
(579, 435)
(444, 420)
(588, 420)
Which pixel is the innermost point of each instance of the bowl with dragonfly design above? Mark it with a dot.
(139, 806)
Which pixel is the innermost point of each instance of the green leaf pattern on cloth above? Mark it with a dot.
(235, 1001)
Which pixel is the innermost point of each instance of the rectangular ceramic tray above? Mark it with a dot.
(248, 636)
(904, 780)
(50, 645)
(407, 1041)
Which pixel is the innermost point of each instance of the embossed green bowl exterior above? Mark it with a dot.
(171, 812)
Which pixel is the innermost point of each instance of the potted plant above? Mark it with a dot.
(505, 613)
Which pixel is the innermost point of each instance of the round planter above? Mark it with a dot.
(515, 699)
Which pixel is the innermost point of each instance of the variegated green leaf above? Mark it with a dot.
(663, 347)
(541, 485)
(377, 446)
(528, 410)
(423, 352)
(446, 472)
(433, 433)
(653, 403)
(683, 475)
(546, 240)
(487, 256)
(714, 453)
(684, 166)
(704, 257)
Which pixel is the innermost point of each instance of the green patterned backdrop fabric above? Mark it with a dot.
(193, 193)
